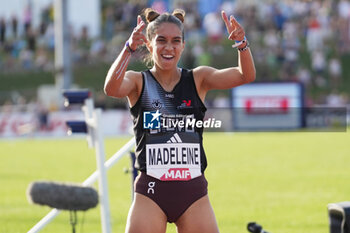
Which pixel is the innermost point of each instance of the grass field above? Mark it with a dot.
(284, 181)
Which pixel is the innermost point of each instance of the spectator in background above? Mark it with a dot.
(83, 45)
(2, 30)
(291, 46)
(318, 61)
(43, 117)
(31, 38)
(314, 37)
(278, 17)
(14, 26)
(304, 76)
(343, 25)
(109, 23)
(212, 24)
(27, 17)
(335, 71)
(44, 20)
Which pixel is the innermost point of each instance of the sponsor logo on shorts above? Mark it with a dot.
(151, 185)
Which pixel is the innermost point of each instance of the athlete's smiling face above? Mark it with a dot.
(167, 45)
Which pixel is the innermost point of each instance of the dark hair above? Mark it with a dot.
(154, 20)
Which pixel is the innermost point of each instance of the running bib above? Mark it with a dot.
(173, 160)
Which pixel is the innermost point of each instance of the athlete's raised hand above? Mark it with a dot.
(234, 29)
(137, 38)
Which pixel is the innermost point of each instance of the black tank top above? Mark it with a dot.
(157, 117)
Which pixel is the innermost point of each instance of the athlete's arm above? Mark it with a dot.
(119, 82)
(208, 78)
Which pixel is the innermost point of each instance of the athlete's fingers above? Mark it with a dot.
(237, 35)
(234, 22)
(140, 23)
(232, 36)
(237, 32)
(140, 37)
(227, 23)
(140, 26)
(137, 37)
(139, 19)
(143, 37)
(143, 25)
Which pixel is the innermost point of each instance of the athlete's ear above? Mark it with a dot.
(149, 46)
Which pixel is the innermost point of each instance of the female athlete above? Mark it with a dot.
(171, 186)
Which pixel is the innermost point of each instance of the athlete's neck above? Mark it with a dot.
(167, 78)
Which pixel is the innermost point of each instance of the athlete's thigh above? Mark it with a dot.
(145, 216)
(198, 218)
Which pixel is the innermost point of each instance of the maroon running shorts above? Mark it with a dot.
(173, 197)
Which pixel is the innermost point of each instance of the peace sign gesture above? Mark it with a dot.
(234, 29)
(137, 38)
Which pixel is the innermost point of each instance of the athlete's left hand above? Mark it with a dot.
(234, 29)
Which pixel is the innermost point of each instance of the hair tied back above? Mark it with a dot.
(180, 14)
(150, 14)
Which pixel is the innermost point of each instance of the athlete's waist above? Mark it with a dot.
(143, 176)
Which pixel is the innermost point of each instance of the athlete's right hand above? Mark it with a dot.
(137, 38)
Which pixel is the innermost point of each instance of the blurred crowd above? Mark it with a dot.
(291, 40)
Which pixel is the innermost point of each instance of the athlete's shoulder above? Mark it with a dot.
(133, 74)
(201, 72)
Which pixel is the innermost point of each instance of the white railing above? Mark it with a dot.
(89, 181)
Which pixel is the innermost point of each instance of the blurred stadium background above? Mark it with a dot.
(298, 41)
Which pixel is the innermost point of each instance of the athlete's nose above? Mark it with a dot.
(168, 46)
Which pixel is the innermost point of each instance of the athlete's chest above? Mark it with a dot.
(182, 99)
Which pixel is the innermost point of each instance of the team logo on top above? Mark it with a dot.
(156, 104)
(151, 120)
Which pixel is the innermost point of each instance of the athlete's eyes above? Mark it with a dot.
(162, 40)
